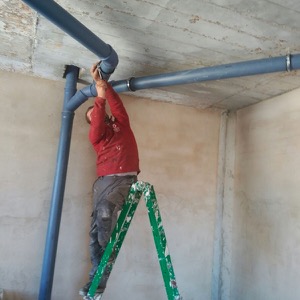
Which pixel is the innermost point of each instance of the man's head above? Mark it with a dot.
(88, 116)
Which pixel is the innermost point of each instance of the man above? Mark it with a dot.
(117, 168)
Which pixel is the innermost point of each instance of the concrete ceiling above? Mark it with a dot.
(160, 36)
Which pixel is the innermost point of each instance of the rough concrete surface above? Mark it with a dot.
(154, 37)
(178, 151)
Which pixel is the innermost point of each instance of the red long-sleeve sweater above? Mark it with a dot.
(114, 143)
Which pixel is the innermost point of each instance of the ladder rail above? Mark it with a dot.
(117, 238)
(160, 241)
(118, 235)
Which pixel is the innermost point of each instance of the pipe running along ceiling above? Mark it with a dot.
(156, 38)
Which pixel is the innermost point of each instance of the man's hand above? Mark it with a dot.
(101, 85)
(94, 72)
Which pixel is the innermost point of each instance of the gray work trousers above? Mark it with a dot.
(110, 193)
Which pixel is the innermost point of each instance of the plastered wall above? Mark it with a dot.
(178, 154)
(266, 214)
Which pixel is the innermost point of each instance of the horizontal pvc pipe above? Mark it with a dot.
(239, 69)
(60, 17)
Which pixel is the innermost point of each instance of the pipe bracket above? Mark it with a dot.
(288, 62)
(128, 83)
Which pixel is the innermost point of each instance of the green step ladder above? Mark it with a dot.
(114, 245)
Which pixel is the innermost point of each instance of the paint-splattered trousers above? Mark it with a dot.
(109, 195)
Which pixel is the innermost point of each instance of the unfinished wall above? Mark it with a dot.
(178, 153)
(266, 234)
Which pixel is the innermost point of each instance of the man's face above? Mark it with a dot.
(107, 119)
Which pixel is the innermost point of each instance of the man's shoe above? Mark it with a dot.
(85, 289)
(98, 296)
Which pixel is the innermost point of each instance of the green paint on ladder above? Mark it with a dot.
(114, 245)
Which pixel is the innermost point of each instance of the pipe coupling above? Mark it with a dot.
(288, 62)
(128, 83)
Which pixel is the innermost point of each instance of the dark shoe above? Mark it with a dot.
(85, 289)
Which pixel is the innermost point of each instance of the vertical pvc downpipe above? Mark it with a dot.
(58, 187)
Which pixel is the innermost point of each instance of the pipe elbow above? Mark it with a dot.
(109, 64)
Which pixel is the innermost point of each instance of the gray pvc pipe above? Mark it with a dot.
(239, 69)
(60, 17)
(58, 187)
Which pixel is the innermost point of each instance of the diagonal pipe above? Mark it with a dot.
(60, 17)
